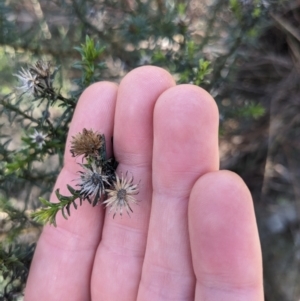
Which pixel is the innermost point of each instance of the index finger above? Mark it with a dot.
(64, 255)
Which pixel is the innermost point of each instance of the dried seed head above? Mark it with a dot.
(41, 69)
(29, 81)
(122, 195)
(87, 143)
(92, 183)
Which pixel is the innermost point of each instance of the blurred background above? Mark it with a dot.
(246, 53)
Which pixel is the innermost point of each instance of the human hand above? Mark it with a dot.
(193, 235)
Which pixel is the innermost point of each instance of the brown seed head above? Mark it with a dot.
(87, 143)
(122, 195)
(41, 68)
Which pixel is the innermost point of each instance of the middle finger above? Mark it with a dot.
(118, 263)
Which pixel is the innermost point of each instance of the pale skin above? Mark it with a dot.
(193, 235)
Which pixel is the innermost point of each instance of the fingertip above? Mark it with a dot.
(185, 137)
(224, 194)
(94, 99)
(224, 237)
(137, 94)
(221, 201)
(95, 88)
(147, 74)
(188, 104)
(193, 97)
(220, 183)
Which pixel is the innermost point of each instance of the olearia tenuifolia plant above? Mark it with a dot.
(37, 81)
(97, 181)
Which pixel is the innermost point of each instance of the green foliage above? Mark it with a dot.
(15, 256)
(14, 265)
(202, 71)
(16, 220)
(236, 7)
(48, 213)
(7, 27)
(252, 110)
(90, 53)
(181, 8)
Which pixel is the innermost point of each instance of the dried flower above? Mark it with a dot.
(122, 195)
(92, 183)
(87, 143)
(41, 69)
(29, 81)
(38, 138)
